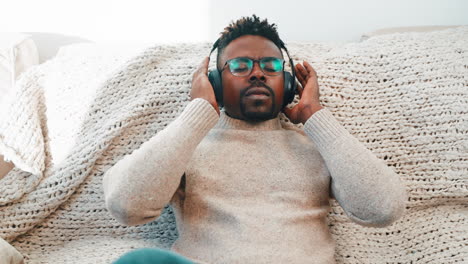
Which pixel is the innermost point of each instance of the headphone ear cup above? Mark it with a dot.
(215, 79)
(289, 89)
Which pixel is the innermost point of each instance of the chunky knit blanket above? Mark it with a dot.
(405, 96)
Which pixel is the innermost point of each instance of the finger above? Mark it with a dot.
(301, 80)
(308, 93)
(297, 68)
(302, 71)
(300, 76)
(205, 64)
(300, 90)
(310, 69)
(203, 67)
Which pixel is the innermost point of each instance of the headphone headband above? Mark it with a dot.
(215, 45)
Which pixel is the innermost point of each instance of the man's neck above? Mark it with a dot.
(228, 122)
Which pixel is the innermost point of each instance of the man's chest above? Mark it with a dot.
(239, 167)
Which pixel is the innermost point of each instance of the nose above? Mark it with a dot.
(257, 73)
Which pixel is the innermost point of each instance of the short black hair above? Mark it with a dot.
(248, 26)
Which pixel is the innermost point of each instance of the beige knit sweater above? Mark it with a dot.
(253, 192)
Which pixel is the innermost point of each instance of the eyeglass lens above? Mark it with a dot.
(243, 66)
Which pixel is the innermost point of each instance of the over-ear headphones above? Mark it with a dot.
(289, 81)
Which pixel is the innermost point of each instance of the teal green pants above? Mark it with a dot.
(152, 256)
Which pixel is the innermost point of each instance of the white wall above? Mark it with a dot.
(341, 20)
(193, 21)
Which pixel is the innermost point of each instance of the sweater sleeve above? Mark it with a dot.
(9, 254)
(140, 185)
(369, 191)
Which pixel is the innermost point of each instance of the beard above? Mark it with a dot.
(258, 109)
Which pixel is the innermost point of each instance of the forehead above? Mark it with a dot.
(251, 46)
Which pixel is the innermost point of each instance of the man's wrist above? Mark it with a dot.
(310, 111)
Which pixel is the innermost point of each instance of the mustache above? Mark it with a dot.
(257, 83)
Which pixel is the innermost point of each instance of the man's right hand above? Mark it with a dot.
(201, 86)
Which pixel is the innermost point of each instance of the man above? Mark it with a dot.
(246, 188)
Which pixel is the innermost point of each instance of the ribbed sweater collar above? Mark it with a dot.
(227, 122)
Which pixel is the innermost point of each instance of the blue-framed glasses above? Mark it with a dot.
(242, 66)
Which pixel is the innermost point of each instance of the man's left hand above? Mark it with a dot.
(308, 90)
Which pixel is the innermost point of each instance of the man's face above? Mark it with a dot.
(252, 107)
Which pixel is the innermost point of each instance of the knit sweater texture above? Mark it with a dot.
(246, 192)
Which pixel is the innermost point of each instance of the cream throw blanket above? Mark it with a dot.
(405, 96)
